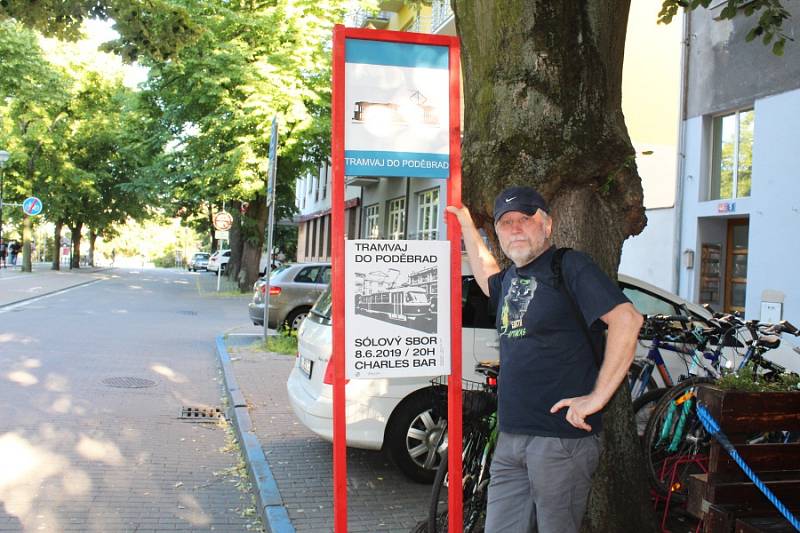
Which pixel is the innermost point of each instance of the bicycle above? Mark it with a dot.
(675, 442)
(664, 334)
(480, 432)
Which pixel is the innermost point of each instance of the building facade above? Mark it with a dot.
(739, 206)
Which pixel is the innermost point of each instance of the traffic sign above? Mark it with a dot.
(223, 221)
(32, 206)
(222, 235)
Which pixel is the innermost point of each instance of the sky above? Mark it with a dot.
(97, 32)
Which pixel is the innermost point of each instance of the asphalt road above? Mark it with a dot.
(80, 450)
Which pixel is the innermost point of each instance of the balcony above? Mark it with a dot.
(441, 15)
(362, 18)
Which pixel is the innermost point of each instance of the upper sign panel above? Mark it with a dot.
(397, 115)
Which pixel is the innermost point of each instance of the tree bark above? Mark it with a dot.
(92, 242)
(27, 234)
(254, 222)
(542, 92)
(213, 241)
(59, 225)
(235, 242)
(75, 261)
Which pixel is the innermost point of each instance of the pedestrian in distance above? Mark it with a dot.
(3, 250)
(14, 248)
(556, 373)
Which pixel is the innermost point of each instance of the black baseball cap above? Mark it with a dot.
(522, 199)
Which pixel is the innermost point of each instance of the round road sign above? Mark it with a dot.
(32, 206)
(223, 221)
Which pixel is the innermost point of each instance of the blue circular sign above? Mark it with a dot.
(32, 206)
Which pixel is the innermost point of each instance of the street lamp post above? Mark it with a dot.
(3, 158)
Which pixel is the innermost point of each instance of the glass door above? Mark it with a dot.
(736, 265)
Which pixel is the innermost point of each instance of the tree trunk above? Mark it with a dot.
(542, 91)
(27, 233)
(75, 261)
(235, 243)
(92, 242)
(254, 222)
(59, 225)
(213, 241)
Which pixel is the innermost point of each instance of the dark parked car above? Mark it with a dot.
(199, 261)
(293, 290)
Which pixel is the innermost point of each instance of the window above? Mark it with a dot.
(476, 310)
(428, 215)
(326, 275)
(647, 303)
(397, 218)
(325, 178)
(308, 275)
(732, 156)
(372, 222)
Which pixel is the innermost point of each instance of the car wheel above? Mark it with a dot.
(413, 437)
(295, 318)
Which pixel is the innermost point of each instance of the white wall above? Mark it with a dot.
(650, 255)
(773, 208)
(773, 262)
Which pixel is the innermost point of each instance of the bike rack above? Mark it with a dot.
(670, 468)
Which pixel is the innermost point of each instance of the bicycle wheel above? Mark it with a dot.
(476, 457)
(675, 441)
(644, 406)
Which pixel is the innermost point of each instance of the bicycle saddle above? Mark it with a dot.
(488, 368)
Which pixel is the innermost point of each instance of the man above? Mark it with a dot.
(551, 391)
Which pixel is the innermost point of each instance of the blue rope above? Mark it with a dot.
(713, 428)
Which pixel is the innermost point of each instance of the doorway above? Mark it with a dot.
(736, 265)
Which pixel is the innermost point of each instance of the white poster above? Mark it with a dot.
(397, 116)
(397, 308)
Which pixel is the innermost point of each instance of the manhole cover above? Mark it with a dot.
(201, 414)
(129, 383)
(190, 313)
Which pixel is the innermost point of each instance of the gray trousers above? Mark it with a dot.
(540, 483)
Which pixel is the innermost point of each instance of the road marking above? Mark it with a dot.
(12, 307)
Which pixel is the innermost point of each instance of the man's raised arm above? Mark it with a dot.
(481, 260)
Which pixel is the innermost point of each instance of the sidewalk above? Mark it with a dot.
(300, 464)
(17, 286)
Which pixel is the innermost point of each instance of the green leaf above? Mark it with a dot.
(777, 48)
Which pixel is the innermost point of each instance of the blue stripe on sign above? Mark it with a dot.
(395, 54)
(396, 164)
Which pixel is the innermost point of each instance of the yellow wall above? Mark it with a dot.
(651, 98)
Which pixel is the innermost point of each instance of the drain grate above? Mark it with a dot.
(201, 414)
(127, 382)
(189, 313)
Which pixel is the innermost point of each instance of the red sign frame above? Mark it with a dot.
(340, 34)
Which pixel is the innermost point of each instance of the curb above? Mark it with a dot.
(268, 498)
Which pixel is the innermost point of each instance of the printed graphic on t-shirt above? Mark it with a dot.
(515, 305)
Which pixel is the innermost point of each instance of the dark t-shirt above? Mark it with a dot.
(544, 354)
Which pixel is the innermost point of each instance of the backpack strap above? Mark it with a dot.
(561, 285)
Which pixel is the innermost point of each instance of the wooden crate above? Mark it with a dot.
(725, 497)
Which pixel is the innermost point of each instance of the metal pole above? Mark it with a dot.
(2, 178)
(273, 167)
(219, 264)
(3, 158)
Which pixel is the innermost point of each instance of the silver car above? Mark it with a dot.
(293, 290)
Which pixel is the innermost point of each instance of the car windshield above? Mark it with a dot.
(322, 307)
(201, 256)
(416, 297)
